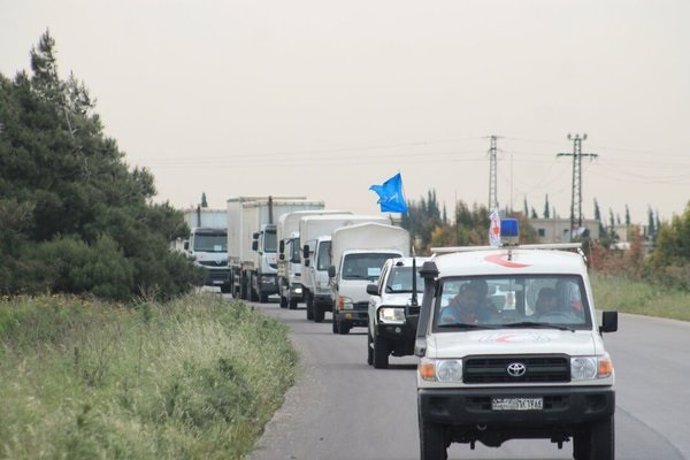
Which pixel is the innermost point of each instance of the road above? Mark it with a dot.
(341, 408)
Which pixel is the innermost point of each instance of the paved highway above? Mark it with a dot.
(341, 408)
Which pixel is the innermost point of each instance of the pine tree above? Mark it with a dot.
(547, 215)
(204, 203)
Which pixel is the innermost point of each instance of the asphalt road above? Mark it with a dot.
(341, 408)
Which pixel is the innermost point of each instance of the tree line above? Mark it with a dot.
(74, 217)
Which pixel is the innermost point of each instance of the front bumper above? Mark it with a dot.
(268, 284)
(563, 406)
(352, 317)
(401, 337)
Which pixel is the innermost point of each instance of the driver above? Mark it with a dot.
(468, 306)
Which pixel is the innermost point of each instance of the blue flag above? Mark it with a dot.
(391, 196)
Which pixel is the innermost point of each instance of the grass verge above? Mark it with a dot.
(638, 297)
(195, 378)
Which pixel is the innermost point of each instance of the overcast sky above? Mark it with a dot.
(323, 98)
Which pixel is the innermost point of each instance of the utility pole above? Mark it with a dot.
(493, 196)
(576, 201)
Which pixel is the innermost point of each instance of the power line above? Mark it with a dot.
(577, 179)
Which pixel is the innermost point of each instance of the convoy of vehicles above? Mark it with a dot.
(507, 336)
(289, 254)
(252, 242)
(394, 304)
(358, 253)
(499, 361)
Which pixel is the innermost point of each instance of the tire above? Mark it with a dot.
(335, 325)
(225, 288)
(283, 302)
(432, 441)
(602, 440)
(380, 353)
(293, 304)
(370, 351)
(581, 444)
(263, 298)
(243, 289)
(343, 328)
(253, 296)
(318, 312)
(310, 312)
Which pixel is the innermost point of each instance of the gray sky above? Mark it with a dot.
(324, 99)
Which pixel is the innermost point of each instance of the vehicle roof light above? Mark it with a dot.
(509, 228)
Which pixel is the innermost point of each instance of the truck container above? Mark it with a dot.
(207, 244)
(252, 242)
(358, 253)
(315, 237)
(289, 262)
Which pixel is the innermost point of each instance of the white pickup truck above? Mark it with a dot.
(510, 347)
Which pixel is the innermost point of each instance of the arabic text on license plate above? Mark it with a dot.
(517, 404)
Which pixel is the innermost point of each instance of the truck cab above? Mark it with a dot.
(207, 247)
(500, 361)
(265, 244)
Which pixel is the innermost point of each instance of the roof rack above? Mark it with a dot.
(557, 246)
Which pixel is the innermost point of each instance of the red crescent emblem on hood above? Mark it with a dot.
(499, 259)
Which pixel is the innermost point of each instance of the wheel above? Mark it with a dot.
(243, 289)
(293, 304)
(225, 288)
(370, 351)
(380, 353)
(335, 325)
(310, 312)
(283, 302)
(581, 443)
(253, 296)
(432, 441)
(263, 298)
(602, 439)
(318, 312)
(343, 328)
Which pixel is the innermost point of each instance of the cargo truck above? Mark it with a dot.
(252, 242)
(289, 261)
(207, 244)
(358, 253)
(315, 237)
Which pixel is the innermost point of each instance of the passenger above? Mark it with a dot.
(469, 306)
(547, 301)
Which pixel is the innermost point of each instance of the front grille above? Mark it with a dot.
(213, 263)
(494, 369)
(361, 305)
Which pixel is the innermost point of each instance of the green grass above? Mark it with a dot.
(195, 378)
(638, 297)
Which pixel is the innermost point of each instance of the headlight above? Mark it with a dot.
(591, 367)
(344, 303)
(392, 315)
(441, 370)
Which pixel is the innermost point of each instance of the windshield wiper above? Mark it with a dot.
(465, 326)
(538, 325)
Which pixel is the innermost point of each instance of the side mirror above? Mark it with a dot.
(255, 235)
(255, 245)
(186, 245)
(609, 321)
(373, 289)
(331, 271)
(305, 252)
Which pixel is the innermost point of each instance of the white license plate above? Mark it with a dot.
(517, 403)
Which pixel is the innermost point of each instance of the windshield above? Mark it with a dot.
(324, 255)
(294, 250)
(400, 280)
(210, 243)
(365, 266)
(270, 241)
(537, 301)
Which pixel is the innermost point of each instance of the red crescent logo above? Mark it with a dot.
(499, 259)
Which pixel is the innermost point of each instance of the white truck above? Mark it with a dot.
(252, 242)
(315, 237)
(289, 248)
(207, 244)
(510, 348)
(358, 253)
